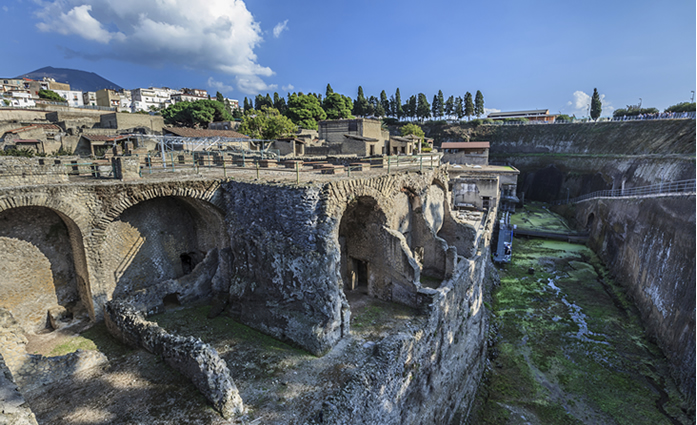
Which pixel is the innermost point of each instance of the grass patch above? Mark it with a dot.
(72, 345)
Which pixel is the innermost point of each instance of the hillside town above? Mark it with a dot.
(24, 92)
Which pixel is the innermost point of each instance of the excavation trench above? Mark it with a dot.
(568, 345)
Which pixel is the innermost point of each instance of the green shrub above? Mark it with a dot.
(18, 152)
(682, 107)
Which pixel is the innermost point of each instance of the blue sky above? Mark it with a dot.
(521, 54)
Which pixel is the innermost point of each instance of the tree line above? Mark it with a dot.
(267, 116)
(307, 109)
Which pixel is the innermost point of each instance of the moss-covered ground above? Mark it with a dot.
(570, 348)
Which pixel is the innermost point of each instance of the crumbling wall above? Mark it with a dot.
(190, 356)
(649, 246)
(13, 408)
(284, 274)
(428, 373)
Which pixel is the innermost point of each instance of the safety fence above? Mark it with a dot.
(229, 164)
(679, 186)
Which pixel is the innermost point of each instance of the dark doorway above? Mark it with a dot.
(188, 263)
(361, 268)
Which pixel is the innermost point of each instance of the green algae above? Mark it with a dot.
(570, 346)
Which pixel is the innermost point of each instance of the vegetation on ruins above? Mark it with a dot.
(268, 123)
(196, 114)
(411, 128)
(596, 105)
(337, 106)
(305, 110)
(50, 95)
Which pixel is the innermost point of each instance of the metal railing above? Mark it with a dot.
(680, 186)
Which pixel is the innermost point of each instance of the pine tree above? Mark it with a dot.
(219, 97)
(328, 91)
(596, 105)
(469, 105)
(479, 104)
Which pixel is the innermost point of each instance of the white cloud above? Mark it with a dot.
(219, 86)
(289, 87)
(488, 111)
(580, 104)
(79, 21)
(279, 28)
(216, 35)
(6, 9)
(252, 84)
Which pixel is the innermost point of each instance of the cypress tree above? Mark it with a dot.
(398, 110)
(596, 105)
(469, 105)
(478, 104)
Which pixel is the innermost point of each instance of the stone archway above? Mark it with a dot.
(44, 268)
(164, 247)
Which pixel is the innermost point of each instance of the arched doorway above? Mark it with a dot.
(43, 271)
(158, 242)
(375, 260)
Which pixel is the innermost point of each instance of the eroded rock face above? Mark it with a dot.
(190, 356)
(649, 245)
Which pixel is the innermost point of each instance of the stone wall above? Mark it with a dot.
(9, 114)
(430, 372)
(121, 121)
(188, 355)
(38, 268)
(13, 408)
(649, 246)
(17, 171)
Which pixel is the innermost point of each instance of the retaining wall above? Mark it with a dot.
(649, 245)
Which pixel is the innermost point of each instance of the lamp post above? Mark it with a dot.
(692, 97)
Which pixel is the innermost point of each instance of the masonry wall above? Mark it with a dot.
(16, 171)
(649, 246)
(428, 374)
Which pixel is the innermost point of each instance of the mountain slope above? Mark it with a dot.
(78, 80)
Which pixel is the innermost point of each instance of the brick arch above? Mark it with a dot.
(68, 213)
(78, 227)
(130, 198)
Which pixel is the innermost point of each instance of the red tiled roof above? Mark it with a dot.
(200, 132)
(26, 141)
(465, 145)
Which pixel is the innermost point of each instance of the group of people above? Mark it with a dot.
(656, 116)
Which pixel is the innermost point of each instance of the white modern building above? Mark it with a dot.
(73, 97)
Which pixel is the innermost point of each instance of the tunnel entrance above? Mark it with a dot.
(589, 221)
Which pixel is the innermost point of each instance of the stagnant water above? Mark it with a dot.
(567, 346)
